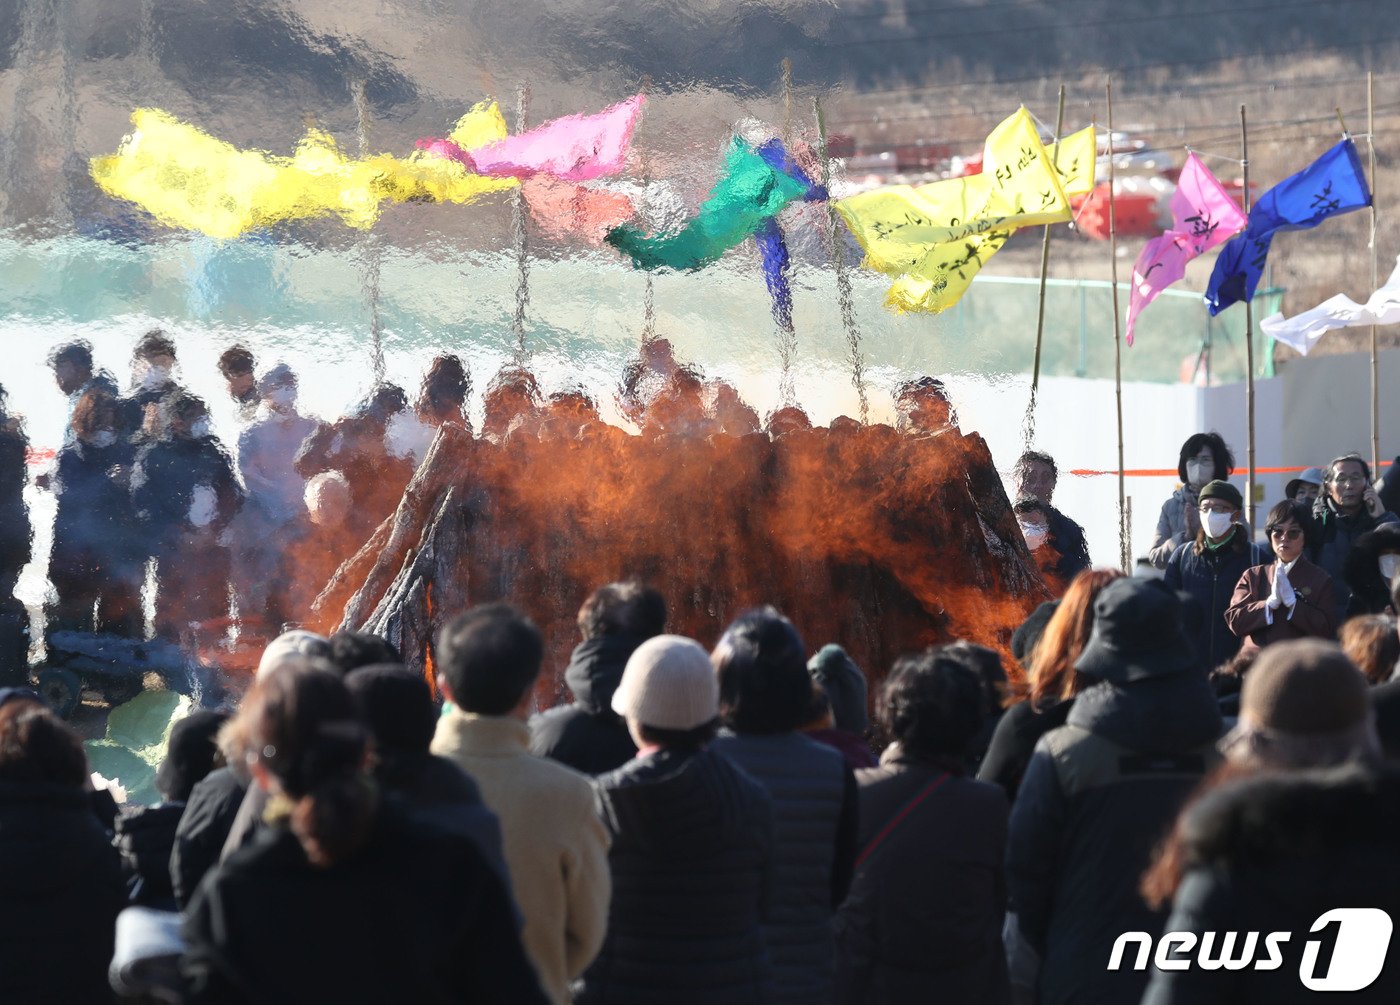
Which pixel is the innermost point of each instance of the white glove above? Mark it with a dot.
(1283, 589)
(204, 506)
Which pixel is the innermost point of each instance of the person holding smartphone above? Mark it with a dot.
(1348, 507)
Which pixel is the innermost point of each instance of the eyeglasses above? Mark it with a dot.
(1285, 535)
(1349, 480)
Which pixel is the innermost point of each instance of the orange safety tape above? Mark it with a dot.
(1173, 473)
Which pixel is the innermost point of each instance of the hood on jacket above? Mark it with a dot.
(595, 670)
(1360, 570)
(1152, 715)
(844, 685)
(1321, 812)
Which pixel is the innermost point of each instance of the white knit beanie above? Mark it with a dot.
(668, 684)
(297, 642)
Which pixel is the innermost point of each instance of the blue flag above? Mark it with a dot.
(1331, 185)
(776, 265)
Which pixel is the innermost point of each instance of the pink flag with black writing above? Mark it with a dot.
(1203, 217)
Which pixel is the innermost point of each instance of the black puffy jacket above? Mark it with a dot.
(146, 837)
(588, 735)
(203, 829)
(1211, 576)
(60, 891)
(691, 857)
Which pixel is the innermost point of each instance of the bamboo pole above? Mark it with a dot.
(1248, 341)
(1375, 278)
(1124, 558)
(844, 299)
(522, 256)
(1044, 279)
(648, 295)
(787, 332)
(370, 250)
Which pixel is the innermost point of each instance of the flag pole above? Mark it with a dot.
(838, 264)
(1375, 278)
(1124, 559)
(787, 332)
(648, 296)
(522, 258)
(1248, 340)
(1044, 276)
(369, 247)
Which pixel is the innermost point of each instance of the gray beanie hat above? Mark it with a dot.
(297, 642)
(837, 674)
(668, 684)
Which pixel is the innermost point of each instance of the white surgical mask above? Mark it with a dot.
(149, 376)
(1217, 524)
(1034, 534)
(1198, 473)
(200, 428)
(104, 439)
(282, 397)
(1390, 564)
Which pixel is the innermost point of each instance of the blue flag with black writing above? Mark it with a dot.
(1331, 185)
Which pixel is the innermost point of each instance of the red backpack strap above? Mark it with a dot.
(898, 818)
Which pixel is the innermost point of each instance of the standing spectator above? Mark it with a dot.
(398, 708)
(267, 450)
(1210, 567)
(1033, 516)
(1289, 598)
(1370, 570)
(1052, 682)
(923, 919)
(60, 877)
(1204, 458)
(153, 385)
(1103, 789)
(692, 847)
(344, 896)
(236, 364)
(1348, 508)
(1301, 820)
(442, 399)
(1371, 643)
(97, 557)
(922, 408)
(839, 717)
(355, 446)
(185, 494)
(765, 697)
(1305, 489)
(588, 735)
(145, 835)
(1388, 487)
(512, 405)
(16, 539)
(1034, 477)
(556, 849)
(73, 373)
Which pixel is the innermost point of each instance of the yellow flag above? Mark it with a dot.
(1077, 158)
(191, 180)
(933, 239)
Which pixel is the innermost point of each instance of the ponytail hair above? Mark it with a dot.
(300, 723)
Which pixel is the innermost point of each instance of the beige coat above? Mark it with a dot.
(555, 846)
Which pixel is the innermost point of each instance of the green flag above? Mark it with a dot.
(751, 191)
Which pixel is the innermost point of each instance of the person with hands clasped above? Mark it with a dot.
(1289, 599)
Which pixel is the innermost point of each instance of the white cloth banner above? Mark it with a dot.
(1303, 330)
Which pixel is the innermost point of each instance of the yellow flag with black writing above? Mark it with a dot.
(1077, 156)
(933, 239)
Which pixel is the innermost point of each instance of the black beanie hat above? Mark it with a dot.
(190, 754)
(1223, 491)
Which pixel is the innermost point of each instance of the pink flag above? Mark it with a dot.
(562, 211)
(1203, 217)
(572, 148)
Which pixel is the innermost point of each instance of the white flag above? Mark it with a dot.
(1302, 331)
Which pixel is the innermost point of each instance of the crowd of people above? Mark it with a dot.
(1200, 748)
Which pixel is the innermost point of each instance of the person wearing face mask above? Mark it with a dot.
(1204, 458)
(1209, 568)
(1371, 571)
(153, 385)
(1348, 508)
(1035, 527)
(1288, 599)
(186, 494)
(1306, 487)
(1035, 475)
(267, 449)
(96, 561)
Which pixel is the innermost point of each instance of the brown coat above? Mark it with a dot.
(1313, 617)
